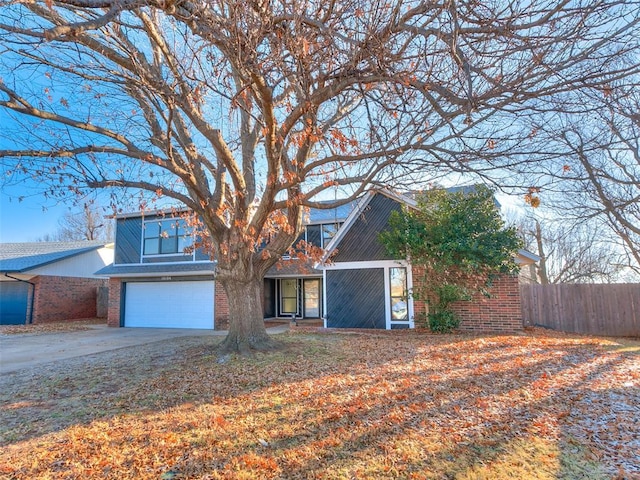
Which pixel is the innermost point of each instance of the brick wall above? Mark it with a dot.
(221, 308)
(64, 298)
(500, 312)
(115, 289)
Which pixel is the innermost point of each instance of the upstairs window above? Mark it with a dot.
(164, 237)
(329, 231)
(321, 234)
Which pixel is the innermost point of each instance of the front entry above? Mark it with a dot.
(289, 305)
(299, 297)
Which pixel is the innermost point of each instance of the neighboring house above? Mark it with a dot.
(154, 284)
(50, 281)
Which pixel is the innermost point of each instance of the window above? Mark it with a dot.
(321, 234)
(162, 237)
(289, 296)
(329, 231)
(399, 298)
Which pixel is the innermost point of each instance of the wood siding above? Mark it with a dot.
(595, 309)
(355, 298)
(360, 243)
(128, 240)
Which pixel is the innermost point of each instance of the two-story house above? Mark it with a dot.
(153, 283)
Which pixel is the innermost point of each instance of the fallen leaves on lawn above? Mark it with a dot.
(403, 405)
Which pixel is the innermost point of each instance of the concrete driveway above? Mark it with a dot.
(18, 352)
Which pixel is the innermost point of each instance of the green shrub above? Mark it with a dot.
(443, 321)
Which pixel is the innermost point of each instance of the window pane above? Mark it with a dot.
(169, 245)
(289, 305)
(151, 229)
(398, 282)
(313, 235)
(184, 242)
(182, 228)
(289, 288)
(289, 296)
(168, 228)
(152, 246)
(329, 231)
(398, 308)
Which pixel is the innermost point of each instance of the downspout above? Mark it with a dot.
(33, 294)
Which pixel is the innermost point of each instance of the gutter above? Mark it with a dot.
(33, 295)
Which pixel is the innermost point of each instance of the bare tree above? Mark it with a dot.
(248, 112)
(571, 253)
(596, 179)
(87, 223)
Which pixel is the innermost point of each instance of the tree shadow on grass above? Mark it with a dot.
(332, 406)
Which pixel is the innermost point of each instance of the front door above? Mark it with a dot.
(289, 297)
(311, 292)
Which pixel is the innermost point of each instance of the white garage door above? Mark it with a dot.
(169, 304)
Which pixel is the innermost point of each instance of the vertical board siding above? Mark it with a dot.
(355, 298)
(360, 243)
(595, 309)
(128, 240)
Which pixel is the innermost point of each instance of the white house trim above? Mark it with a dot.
(364, 265)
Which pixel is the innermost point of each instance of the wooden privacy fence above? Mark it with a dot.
(596, 309)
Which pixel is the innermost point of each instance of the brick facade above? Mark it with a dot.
(64, 298)
(221, 308)
(115, 288)
(499, 313)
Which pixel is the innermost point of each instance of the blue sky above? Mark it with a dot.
(27, 220)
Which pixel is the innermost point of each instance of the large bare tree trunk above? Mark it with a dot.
(246, 321)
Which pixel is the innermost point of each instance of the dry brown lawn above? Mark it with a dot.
(334, 406)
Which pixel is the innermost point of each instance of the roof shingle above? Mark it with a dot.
(20, 257)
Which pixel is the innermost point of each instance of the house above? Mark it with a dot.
(50, 281)
(153, 283)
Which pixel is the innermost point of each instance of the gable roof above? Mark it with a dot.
(356, 212)
(21, 257)
(522, 257)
